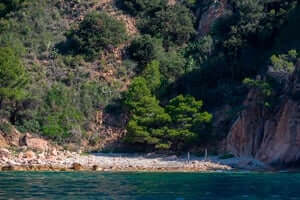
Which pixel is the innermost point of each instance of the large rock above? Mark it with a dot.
(9, 139)
(29, 155)
(4, 153)
(246, 134)
(37, 144)
(273, 138)
(3, 143)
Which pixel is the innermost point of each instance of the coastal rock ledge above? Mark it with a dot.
(271, 137)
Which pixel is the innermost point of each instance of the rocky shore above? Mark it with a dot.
(73, 161)
(26, 152)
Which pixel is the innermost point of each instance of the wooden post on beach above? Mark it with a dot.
(205, 156)
(188, 157)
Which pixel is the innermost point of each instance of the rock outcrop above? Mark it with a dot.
(216, 10)
(271, 137)
(34, 143)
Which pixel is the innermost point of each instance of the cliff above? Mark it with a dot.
(269, 136)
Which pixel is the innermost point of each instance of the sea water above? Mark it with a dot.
(149, 186)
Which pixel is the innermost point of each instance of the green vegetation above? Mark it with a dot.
(144, 49)
(13, 77)
(64, 61)
(143, 7)
(97, 32)
(173, 126)
(285, 62)
(7, 6)
(5, 127)
(173, 24)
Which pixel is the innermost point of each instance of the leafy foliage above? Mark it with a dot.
(188, 121)
(7, 6)
(173, 24)
(265, 89)
(13, 77)
(143, 7)
(284, 62)
(162, 128)
(144, 49)
(97, 32)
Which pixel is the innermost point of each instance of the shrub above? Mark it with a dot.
(173, 24)
(9, 5)
(172, 65)
(13, 77)
(284, 62)
(61, 114)
(152, 76)
(5, 127)
(143, 7)
(265, 89)
(97, 32)
(200, 50)
(145, 49)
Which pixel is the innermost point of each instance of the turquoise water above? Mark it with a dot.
(149, 186)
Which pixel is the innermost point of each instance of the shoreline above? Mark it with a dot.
(109, 162)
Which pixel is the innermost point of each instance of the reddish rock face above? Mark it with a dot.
(35, 143)
(245, 135)
(273, 138)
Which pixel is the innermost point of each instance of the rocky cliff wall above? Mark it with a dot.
(272, 137)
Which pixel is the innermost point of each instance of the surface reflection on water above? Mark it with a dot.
(149, 186)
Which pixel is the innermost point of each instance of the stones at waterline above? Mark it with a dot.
(97, 168)
(12, 168)
(77, 166)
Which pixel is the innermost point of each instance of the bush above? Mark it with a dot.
(13, 77)
(143, 7)
(97, 32)
(9, 5)
(172, 65)
(173, 24)
(5, 127)
(144, 49)
(61, 114)
(284, 62)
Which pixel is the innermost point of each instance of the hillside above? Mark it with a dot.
(144, 75)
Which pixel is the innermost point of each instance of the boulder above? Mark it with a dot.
(77, 166)
(37, 144)
(4, 153)
(3, 143)
(53, 152)
(29, 155)
(96, 168)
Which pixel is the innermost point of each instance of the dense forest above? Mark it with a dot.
(173, 74)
